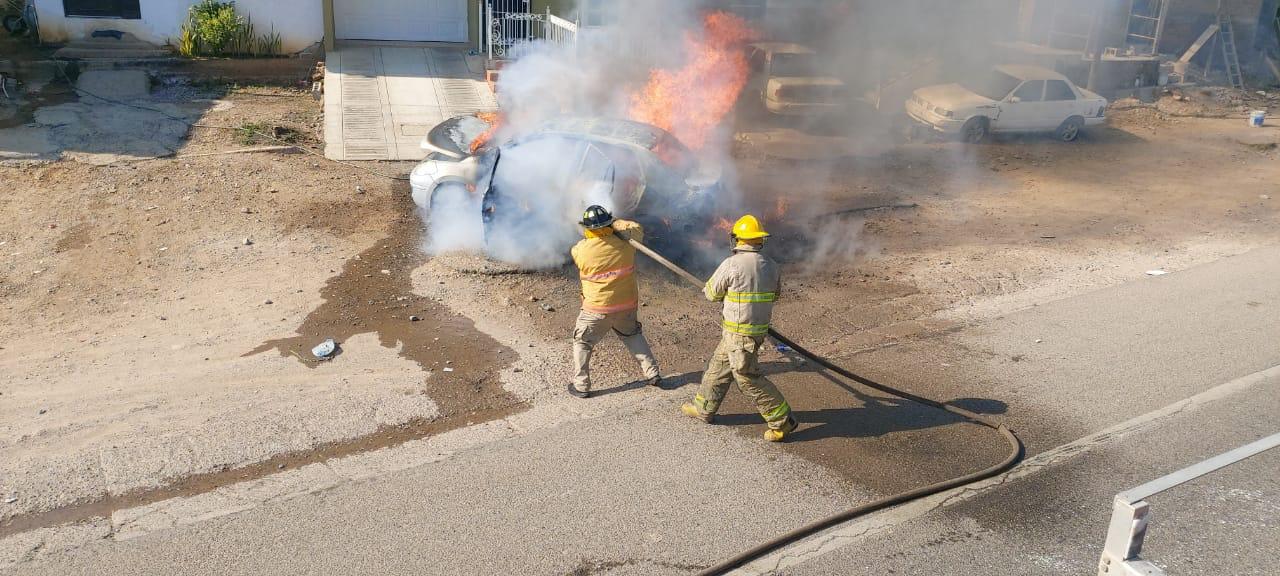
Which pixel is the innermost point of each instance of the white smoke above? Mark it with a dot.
(880, 50)
(544, 195)
(548, 182)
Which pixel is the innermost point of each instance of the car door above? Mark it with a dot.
(1060, 103)
(1021, 110)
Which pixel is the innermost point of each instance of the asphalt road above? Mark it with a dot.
(643, 491)
(1055, 522)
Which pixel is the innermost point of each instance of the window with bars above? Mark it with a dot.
(128, 9)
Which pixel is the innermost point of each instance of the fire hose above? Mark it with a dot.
(1015, 447)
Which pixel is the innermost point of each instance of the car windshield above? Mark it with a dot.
(994, 86)
(793, 65)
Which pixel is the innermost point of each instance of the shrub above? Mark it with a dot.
(217, 24)
(214, 29)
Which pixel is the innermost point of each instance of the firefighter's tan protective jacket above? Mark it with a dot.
(607, 266)
(749, 283)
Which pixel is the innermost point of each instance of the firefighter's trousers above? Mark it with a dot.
(737, 359)
(592, 327)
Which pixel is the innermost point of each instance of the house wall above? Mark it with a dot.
(1189, 18)
(300, 23)
(561, 8)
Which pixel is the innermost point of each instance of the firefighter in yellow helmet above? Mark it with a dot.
(610, 295)
(748, 283)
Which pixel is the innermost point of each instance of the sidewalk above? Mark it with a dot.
(380, 101)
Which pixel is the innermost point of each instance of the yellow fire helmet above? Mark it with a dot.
(749, 228)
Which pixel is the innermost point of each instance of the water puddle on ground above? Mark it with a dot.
(373, 293)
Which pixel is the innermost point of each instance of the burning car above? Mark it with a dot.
(1009, 99)
(786, 77)
(543, 179)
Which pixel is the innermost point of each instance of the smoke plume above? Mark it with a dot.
(664, 62)
(671, 67)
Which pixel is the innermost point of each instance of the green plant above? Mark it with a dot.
(214, 29)
(189, 38)
(270, 44)
(217, 24)
(240, 43)
(250, 132)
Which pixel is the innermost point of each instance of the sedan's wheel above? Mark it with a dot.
(975, 130)
(1070, 129)
(450, 196)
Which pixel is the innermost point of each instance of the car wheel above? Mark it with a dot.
(975, 130)
(15, 25)
(450, 196)
(1070, 129)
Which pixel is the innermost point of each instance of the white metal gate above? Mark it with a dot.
(509, 25)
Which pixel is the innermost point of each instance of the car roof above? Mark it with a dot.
(599, 128)
(1023, 72)
(783, 47)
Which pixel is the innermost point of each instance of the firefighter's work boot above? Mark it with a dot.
(781, 434)
(579, 393)
(692, 411)
(656, 382)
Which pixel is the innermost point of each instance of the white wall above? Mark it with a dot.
(300, 23)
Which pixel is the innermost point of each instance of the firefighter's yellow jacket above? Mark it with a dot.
(607, 266)
(748, 282)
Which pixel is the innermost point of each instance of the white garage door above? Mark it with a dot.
(414, 20)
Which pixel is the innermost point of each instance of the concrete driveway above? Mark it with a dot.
(381, 100)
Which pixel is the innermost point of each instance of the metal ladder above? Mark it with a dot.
(1230, 57)
(1146, 26)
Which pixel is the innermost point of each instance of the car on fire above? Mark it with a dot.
(637, 170)
(1010, 98)
(789, 81)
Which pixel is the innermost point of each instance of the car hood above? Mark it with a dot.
(952, 97)
(453, 137)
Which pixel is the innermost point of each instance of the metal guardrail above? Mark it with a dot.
(1120, 554)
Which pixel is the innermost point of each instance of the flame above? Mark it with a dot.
(724, 225)
(494, 119)
(691, 101)
(780, 209)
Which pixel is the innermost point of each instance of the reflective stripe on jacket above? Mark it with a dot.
(606, 266)
(749, 283)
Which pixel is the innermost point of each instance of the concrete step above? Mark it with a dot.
(108, 47)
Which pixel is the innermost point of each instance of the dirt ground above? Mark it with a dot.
(158, 315)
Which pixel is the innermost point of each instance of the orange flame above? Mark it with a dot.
(724, 225)
(780, 209)
(494, 119)
(691, 101)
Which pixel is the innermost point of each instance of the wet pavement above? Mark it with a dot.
(373, 294)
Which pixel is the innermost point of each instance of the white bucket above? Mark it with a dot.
(1257, 118)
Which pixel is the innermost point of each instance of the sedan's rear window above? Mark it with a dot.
(1058, 90)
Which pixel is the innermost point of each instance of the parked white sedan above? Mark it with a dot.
(1009, 99)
